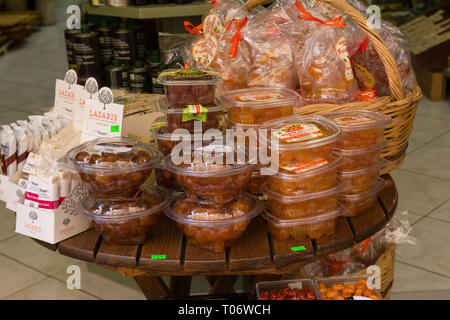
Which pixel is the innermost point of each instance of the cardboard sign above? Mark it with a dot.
(102, 118)
(67, 92)
(56, 225)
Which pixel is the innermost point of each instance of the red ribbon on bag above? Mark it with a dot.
(363, 45)
(193, 29)
(213, 2)
(305, 15)
(237, 37)
(362, 246)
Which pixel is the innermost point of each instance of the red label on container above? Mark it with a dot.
(305, 167)
(352, 120)
(298, 132)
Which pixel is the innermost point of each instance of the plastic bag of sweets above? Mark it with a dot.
(370, 71)
(272, 63)
(8, 149)
(322, 62)
(22, 145)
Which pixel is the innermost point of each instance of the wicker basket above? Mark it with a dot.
(401, 107)
(386, 263)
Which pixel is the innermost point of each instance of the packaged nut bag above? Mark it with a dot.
(8, 151)
(22, 145)
(65, 179)
(30, 135)
(36, 122)
(49, 180)
(369, 70)
(32, 192)
(55, 120)
(272, 63)
(322, 61)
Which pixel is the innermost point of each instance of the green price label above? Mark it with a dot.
(299, 248)
(158, 256)
(194, 112)
(115, 128)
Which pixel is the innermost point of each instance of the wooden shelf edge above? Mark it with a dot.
(152, 11)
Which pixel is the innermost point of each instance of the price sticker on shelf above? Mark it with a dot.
(299, 248)
(158, 257)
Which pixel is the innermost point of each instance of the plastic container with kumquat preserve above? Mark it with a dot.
(210, 227)
(301, 139)
(256, 182)
(295, 289)
(360, 158)
(207, 175)
(358, 203)
(346, 288)
(166, 142)
(303, 205)
(250, 133)
(206, 117)
(360, 180)
(189, 86)
(113, 166)
(258, 105)
(303, 228)
(127, 221)
(360, 128)
(306, 178)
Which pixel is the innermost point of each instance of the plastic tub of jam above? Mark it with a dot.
(306, 178)
(360, 180)
(358, 203)
(165, 178)
(127, 221)
(206, 177)
(300, 206)
(301, 139)
(250, 131)
(258, 105)
(344, 288)
(303, 228)
(256, 182)
(360, 128)
(210, 227)
(295, 289)
(113, 166)
(189, 86)
(186, 118)
(360, 158)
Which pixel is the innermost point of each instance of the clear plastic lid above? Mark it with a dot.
(301, 221)
(270, 195)
(356, 152)
(311, 169)
(351, 174)
(259, 97)
(377, 186)
(301, 132)
(147, 200)
(213, 160)
(355, 120)
(112, 156)
(163, 105)
(244, 208)
(234, 125)
(188, 77)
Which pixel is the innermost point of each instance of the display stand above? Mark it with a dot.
(166, 252)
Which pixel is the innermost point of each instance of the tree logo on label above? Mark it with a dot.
(70, 77)
(33, 215)
(91, 86)
(19, 193)
(105, 96)
(66, 221)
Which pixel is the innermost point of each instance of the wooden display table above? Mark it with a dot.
(256, 253)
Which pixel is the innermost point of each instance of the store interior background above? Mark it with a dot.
(29, 271)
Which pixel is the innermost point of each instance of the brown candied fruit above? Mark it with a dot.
(302, 232)
(211, 237)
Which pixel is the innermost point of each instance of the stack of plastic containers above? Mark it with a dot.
(251, 108)
(121, 208)
(360, 147)
(213, 211)
(303, 195)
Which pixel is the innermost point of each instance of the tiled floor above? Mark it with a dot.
(28, 271)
